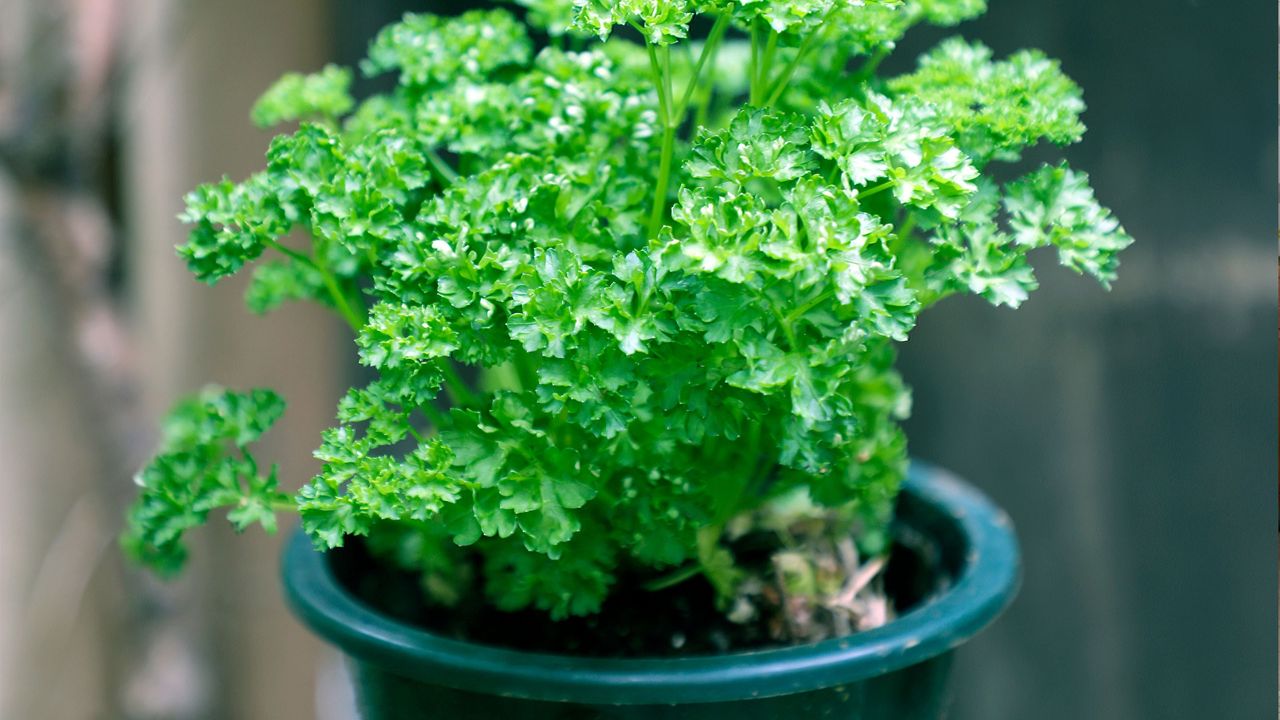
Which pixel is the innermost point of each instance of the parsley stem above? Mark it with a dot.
(659, 79)
(289, 252)
(673, 578)
(661, 85)
(672, 120)
(664, 177)
(663, 82)
(780, 85)
(766, 58)
(800, 311)
(248, 457)
(907, 226)
(414, 432)
(753, 73)
(709, 50)
(672, 115)
(433, 415)
(459, 392)
(525, 373)
(289, 504)
(868, 192)
(447, 174)
(864, 73)
(340, 298)
(784, 324)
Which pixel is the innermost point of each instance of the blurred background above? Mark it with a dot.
(1131, 435)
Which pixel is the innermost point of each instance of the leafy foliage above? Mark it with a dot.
(679, 278)
(995, 109)
(295, 97)
(1055, 206)
(204, 464)
(661, 22)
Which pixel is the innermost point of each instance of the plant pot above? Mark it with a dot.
(898, 671)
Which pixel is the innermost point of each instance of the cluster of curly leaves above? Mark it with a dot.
(680, 267)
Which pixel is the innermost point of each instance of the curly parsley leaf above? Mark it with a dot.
(661, 22)
(323, 95)
(203, 464)
(430, 51)
(996, 109)
(1055, 206)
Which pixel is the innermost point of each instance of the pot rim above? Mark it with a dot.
(981, 589)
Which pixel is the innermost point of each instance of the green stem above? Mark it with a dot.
(666, 77)
(290, 252)
(458, 390)
(785, 325)
(709, 50)
(900, 241)
(868, 192)
(340, 299)
(800, 311)
(760, 478)
(908, 225)
(664, 177)
(414, 432)
(248, 456)
(447, 174)
(433, 415)
(290, 505)
(748, 446)
(780, 85)
(673, 578)
(662, 80)
(528, 376)
(753, 75)
(869, 67)
(766, 58)
(672, 115)
(660, 83)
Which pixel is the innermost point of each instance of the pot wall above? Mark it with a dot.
(918, 692)
(897, 671)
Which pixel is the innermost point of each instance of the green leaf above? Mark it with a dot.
(399, 336)
(575, 583)
(662, 22)
(996, 109)
(1055, 206)
(232, 225)
(900, 141)
(275, 283)
(323, 95)
(759, 144)
(203, 464)
(430, 50)
(948, 12)
(554, 17)
(986, 262)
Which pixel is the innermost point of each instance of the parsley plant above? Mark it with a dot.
(677, 266)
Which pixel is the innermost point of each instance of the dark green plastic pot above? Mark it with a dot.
(896, 672)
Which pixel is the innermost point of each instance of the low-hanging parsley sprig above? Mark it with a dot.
(679, 267)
